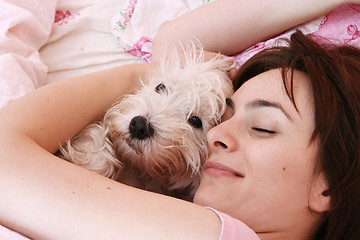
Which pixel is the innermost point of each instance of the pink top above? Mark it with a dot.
(233, 228)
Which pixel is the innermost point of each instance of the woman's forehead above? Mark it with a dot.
(272, 81)
(269, 86)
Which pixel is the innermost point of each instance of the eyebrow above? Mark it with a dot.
(260, 103)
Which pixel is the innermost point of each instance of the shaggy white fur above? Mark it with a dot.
(155, 139)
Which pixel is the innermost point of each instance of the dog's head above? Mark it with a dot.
(162, 128)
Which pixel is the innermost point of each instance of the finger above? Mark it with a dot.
(229, 60)
(232, 73)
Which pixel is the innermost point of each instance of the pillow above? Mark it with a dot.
(81, 40)
(25, 27)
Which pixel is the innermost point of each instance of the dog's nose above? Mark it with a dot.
(140, 128)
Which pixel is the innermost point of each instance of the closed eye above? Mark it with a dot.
(263, 130)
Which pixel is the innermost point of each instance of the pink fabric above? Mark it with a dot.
(341, 26)
(25, 27)
(234, 229)
(7, 234)
(140, 49)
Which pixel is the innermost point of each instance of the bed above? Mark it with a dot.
(45, 41)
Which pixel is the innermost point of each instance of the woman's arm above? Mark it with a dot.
(59, 110)
(230, 26)
(45, 197)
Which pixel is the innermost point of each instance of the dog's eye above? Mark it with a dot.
(195, 122)
(160, 88)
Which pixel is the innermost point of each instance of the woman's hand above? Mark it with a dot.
(230, 60)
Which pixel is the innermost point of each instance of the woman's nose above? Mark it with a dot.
(221, 137)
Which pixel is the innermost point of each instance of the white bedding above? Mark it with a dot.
(25, 27)
(81, 40)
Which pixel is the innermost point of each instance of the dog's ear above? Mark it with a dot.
(92, 149)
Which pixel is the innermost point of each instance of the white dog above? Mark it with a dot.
(155, 139)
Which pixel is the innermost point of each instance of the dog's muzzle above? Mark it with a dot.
(140, 128)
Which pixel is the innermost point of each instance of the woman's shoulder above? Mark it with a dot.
(233, 228)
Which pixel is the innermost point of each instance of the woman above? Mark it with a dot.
(322, 149)
(275, 162)
(285, 162)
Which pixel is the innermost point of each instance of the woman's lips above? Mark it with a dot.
(218, 169)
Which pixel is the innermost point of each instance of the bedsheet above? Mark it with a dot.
(340, 26)
(81, 40)
(136, 25)
(25, 27)
(45, 41)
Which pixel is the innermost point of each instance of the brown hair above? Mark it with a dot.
(334, 72)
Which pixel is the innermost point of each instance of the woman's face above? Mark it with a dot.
(261, 160)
